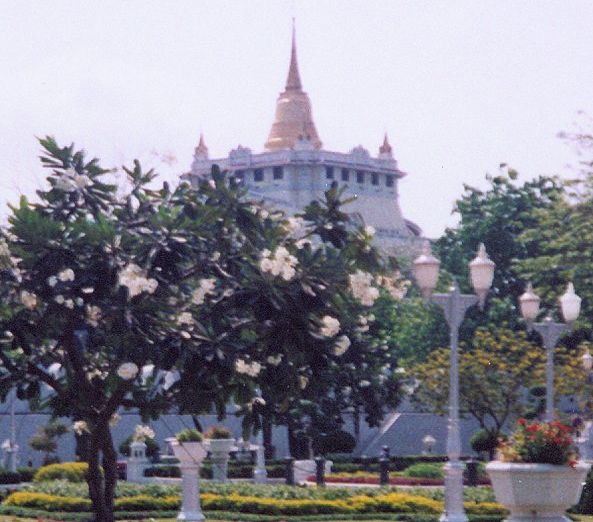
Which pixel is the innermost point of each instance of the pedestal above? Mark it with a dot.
(220, 452)
(190, 500)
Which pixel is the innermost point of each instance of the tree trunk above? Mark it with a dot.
(267, 436)
(101, 480)
(109, 468)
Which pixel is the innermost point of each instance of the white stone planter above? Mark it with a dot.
(189, 452)
(537, 492)
(190, 456)
(220, 450)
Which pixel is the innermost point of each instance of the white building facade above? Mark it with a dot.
(294, 170)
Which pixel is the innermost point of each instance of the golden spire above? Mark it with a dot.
(293, 121)
(386, 148)
(201, 150)
(293, 81)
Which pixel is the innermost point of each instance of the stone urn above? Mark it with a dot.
(189, 453)
(537, 492)
(220, 452)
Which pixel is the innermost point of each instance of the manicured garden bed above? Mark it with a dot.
(69, 501)
(394, 480)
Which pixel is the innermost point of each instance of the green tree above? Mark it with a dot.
(45, 439)
(497, 217)
(495, 371)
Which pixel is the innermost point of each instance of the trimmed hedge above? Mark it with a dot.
(233, 516)
(236, 470)
(425, 470)
(387, 503)
(70, 471)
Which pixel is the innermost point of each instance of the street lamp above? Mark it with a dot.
(454, 304)
(570, 305)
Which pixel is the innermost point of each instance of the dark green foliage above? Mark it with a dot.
(485, 441)
(335, 442)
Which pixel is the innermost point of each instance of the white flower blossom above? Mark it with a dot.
(252, 369)
(114, 420)
(142, 433)
(330, 326)
(275, 360)
(127, 371)
(93, 315)
(80, 427)
(29, 300)
(66, 275)
(69, 303)
(303, 381)
(279, 263)
(4, 250)
(71, 181)
(136, 280)
(364, 383)
(342, 345)
(185, 318)
(396, 286)
(205, 287)
(362, 289)
(370, 230)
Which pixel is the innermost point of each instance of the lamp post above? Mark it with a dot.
(454, 304)
(570, 305)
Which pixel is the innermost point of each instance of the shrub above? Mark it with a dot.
(70, 471)
(9, 477)
(218, 432)
(484, 441)
(424, 470)
(189, 435)
(48, 502)
(152, 447)
(335, 442)
(26, 474)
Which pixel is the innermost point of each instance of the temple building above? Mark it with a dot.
(295, 169)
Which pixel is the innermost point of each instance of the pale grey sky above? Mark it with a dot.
(460, 86)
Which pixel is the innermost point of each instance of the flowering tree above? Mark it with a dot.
(93, 302)
(194, 297)
(306, 293)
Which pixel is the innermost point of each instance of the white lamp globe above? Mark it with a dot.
(529, 303)
(587, 360)
(426, 271)
(481, 273)
(570, 304)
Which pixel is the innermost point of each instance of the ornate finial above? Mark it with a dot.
(201, 150)
(293, 82)
(386, 148)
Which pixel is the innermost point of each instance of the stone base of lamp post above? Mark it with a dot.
(12, 458)
(453, 493)
(260, 474)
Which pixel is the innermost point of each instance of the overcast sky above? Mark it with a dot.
(459, 86)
